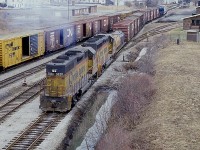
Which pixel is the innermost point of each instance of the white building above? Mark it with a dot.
(2, 1)
(26, 3)
(119, 2)
(93, 1)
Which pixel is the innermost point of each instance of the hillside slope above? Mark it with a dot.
(173, 118)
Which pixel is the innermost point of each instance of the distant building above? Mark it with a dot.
(26, 3)
(93, 1)
(192, 22)
(2, 1)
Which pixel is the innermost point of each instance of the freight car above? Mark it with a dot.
(69, 75)
(135, 22)
(162, 10)
(17, 48)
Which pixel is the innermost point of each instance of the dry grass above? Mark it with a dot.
(173, 118)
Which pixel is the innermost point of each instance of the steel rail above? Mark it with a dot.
(12, 105)
(27, 139)
(21, 75)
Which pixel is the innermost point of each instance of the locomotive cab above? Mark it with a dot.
(66, 77)
(55, 97)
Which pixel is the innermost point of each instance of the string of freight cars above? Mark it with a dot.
(49, 121)
(20, 47)
(25, 74)
(35, 89)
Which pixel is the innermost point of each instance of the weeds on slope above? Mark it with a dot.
(135, 93)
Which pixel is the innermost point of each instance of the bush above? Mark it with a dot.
(128, 3)
(130, 66)
(134, 93)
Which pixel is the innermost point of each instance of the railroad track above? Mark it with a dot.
(21, 75)
(12, 105)
(27, 95)
(152, 32)
(35, 133)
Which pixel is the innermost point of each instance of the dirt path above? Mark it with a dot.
(173, 118)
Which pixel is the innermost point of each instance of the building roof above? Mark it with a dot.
(193, 30)
(198, 15)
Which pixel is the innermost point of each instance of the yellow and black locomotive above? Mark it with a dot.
(70, 74)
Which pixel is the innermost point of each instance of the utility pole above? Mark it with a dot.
(117, 4)
(68, 9)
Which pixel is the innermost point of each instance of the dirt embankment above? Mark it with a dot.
(173, 120)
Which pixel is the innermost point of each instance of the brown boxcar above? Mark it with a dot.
(54, 39)
(151, 14)
(148, 15)
(86, 29)
(157, 12)
(154, 13)
(112, 19)
(124, 14)
(141, 19)
(136, 21)
(104, 24)
(145, 16)
(126, 27)
(96, 26)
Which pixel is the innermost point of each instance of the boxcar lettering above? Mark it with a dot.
(104, 21)
(90, 26)
(52, 39)
(12, 54)
(69, 33)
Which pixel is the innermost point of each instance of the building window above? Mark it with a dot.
(198, 22)
(193, 22)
